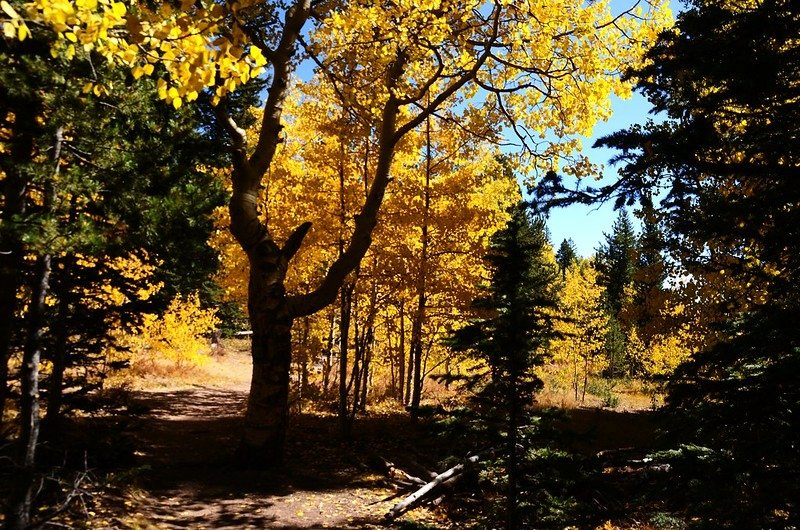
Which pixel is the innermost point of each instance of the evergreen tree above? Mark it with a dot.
(512, 338)
(566, 256)
(88, 179)
(616, 264)
(616, 261)
(648, 291)
(727, 79)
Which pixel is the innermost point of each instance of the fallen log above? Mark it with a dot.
(400, 476)
(418, 496)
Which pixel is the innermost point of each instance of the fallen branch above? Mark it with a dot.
(419, 495)
(400, 476)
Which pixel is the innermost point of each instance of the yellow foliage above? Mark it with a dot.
(567, 54)
(582, 323)
(135, 268)
(175, 337)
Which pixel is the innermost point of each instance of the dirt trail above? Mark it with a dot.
(189, 478)
(188, 440)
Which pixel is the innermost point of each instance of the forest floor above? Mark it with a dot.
(182, 473)
(187, 476)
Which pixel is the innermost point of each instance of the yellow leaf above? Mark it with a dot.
(162, 89)
(176, 102)
(9, 30)
(23, 32)
(118, 8)
(8, 10)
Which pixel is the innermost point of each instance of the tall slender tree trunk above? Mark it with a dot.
(344, 339)
(302, 375)
(392, 355)
(367, 342)
(12, 249)
(513, 460)
(326, 362)
(401, 357)
(416, 355)
(21, 502)
(422, 280)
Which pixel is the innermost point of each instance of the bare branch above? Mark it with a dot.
(457, 84)
(295, 240)
(271, 127)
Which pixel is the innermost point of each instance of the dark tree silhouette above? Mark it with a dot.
(512, 338)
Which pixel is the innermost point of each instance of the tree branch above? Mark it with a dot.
(282, 68)
(366, 220)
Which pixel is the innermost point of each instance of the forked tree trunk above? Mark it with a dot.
(271, 311)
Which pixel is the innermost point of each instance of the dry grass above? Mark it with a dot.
(228, 366)
(623, 395)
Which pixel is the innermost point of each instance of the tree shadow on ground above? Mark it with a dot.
(187, 443)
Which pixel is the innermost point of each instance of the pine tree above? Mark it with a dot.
(728, 158)
(93, 179)
(566, 256)
(616, 263)
(512, 338)
(648, 294)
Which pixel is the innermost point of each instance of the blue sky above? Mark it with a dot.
(585, 225)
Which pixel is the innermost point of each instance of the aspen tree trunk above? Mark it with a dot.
(326, 363)
(344, 339)
(391, 353)
(402, 355)
(21, 502)
(368, 342)
(365, 378)
(302, 379)
(410, 376)
(419, 315)
(354, 384)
